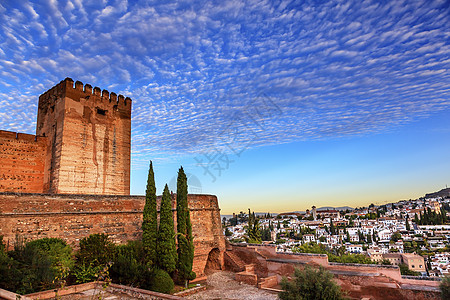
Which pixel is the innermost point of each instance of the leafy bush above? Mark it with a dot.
(85, 272)
(132, 249)
(96, 249)
(310, 284)
(57, 250)
(9, 272)
(2, 245)
(350, 259)
(404, 270)
(228, 233)
(38, 265)
(338, 256)
(385, 262)
(445, 288)
(126, 270)
(129, 267)
(161, 282)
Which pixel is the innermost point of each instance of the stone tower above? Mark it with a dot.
(88, 140)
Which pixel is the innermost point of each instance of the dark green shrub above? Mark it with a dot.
(129, 266)
(126, 270)
(404, 270)
(310, 284)
(96, 249)
(10, 276)
(445, 288)
(86, 272)
(38, 265)
(161, 282)
(132, 249)
(2, 244)
(57, 251)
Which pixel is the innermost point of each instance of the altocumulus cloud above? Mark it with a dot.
(194, 69)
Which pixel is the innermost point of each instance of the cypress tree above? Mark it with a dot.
(182, 209)
(253, 230)
(184, 231)
(150, 219)
(332, 228)
(166, 249)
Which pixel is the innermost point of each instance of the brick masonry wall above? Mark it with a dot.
(22, 162)
(72, 217)
(360, 281)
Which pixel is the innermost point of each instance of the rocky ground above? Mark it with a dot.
(221, 285)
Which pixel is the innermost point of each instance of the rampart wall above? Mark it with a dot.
(359, 281)
(72, 217)
(22, 164)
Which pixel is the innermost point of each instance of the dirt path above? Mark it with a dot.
(221, 285)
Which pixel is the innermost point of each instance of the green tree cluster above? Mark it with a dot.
(309, 284)
(332, 228)
(253, 229)
(228, 233)
(404, 270)
(233, 221)
(49, 263)
(160, 240)
(35, 266)
(337, 255)
(429, 217)
(445, 288)
(266, 234)
(396, 236)
(96, 253)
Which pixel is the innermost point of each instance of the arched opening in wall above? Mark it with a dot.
(213, 262)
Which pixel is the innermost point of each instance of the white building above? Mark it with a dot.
(307, 238)
(354, 248)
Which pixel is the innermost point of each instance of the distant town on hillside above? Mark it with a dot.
(412, 234)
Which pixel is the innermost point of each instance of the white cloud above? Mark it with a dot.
(333, 69)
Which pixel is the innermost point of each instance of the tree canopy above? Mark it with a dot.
(311, 284)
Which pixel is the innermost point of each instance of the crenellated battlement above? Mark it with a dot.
(78, 90)
(11, 135)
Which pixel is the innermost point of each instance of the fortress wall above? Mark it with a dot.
(22, 162)
(72, 217)
(359, 281)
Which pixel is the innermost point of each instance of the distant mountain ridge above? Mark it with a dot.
(442, 193)
(334, 208)
(320, 209)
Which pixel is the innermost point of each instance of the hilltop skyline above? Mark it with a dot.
(343, 103)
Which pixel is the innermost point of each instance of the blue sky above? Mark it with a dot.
(272, 105)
